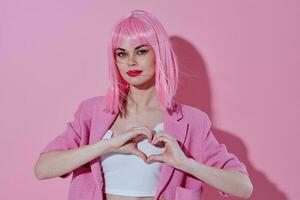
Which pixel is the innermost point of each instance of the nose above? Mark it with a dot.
(131, 60)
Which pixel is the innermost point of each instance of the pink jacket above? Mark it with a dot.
(190, 126)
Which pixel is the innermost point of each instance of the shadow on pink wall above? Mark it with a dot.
(194, 90)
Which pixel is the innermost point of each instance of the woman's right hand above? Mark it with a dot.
(126, 142)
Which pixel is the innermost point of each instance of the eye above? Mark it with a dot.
(141, 52)
(121, 54)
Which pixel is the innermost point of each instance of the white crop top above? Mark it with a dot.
(129, 175)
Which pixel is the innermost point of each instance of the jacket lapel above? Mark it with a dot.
(173, 125)
(101, 122)
(177, 128)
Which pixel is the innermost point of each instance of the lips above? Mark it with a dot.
(134, 72)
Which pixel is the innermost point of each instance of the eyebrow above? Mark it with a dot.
(134, 48)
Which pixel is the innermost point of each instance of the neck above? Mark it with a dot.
(139, 99)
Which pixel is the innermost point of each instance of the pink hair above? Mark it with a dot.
(140, 26)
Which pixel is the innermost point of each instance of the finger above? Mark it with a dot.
(143, 132)
(160, 139)
(145, 129)
(161, 133)
(130, 135)
(159, 144)
(133, 135)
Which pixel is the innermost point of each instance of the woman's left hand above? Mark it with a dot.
(173, 154)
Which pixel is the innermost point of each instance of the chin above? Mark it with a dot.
(142, 84)
(138, 81)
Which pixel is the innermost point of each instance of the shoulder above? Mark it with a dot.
(87, 105)
(195, 116)
(92, 101)
(191, 112)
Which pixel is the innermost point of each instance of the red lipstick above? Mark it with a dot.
(134, 72)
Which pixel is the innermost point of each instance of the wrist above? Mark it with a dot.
(185, 164)
(105, 146)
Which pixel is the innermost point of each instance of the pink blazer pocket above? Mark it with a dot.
(187, 194)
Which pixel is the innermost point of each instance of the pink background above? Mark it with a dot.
(239, 63)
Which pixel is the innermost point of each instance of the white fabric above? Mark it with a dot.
(129, 175)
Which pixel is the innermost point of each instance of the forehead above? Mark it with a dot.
(130, 44)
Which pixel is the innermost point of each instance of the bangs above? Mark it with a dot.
(133, 30)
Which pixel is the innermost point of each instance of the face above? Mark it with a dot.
(136, 63)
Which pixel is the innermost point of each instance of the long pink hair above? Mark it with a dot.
(141, 26)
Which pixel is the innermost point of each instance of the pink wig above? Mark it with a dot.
(140, 26)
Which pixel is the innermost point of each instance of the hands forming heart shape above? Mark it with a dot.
(126, 143)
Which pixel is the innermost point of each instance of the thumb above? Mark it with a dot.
(156, 157)
(139, 154)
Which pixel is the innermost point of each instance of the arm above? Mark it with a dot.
(210, 162)
(224, 170)
(230, 181)
(60, 154)
(58, 163)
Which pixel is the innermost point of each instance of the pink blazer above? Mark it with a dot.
(190, 126)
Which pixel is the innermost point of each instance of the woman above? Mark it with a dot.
(137, 143)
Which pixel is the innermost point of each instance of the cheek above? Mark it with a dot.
(153, 60)
(121, 68)
(150, 66)
(151, 63)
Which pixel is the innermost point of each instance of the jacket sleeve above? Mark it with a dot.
(69, 138)
(215, 154)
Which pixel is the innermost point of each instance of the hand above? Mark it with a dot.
(173, 154)
(126, 142)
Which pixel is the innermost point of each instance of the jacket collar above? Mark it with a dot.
(173, 125)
